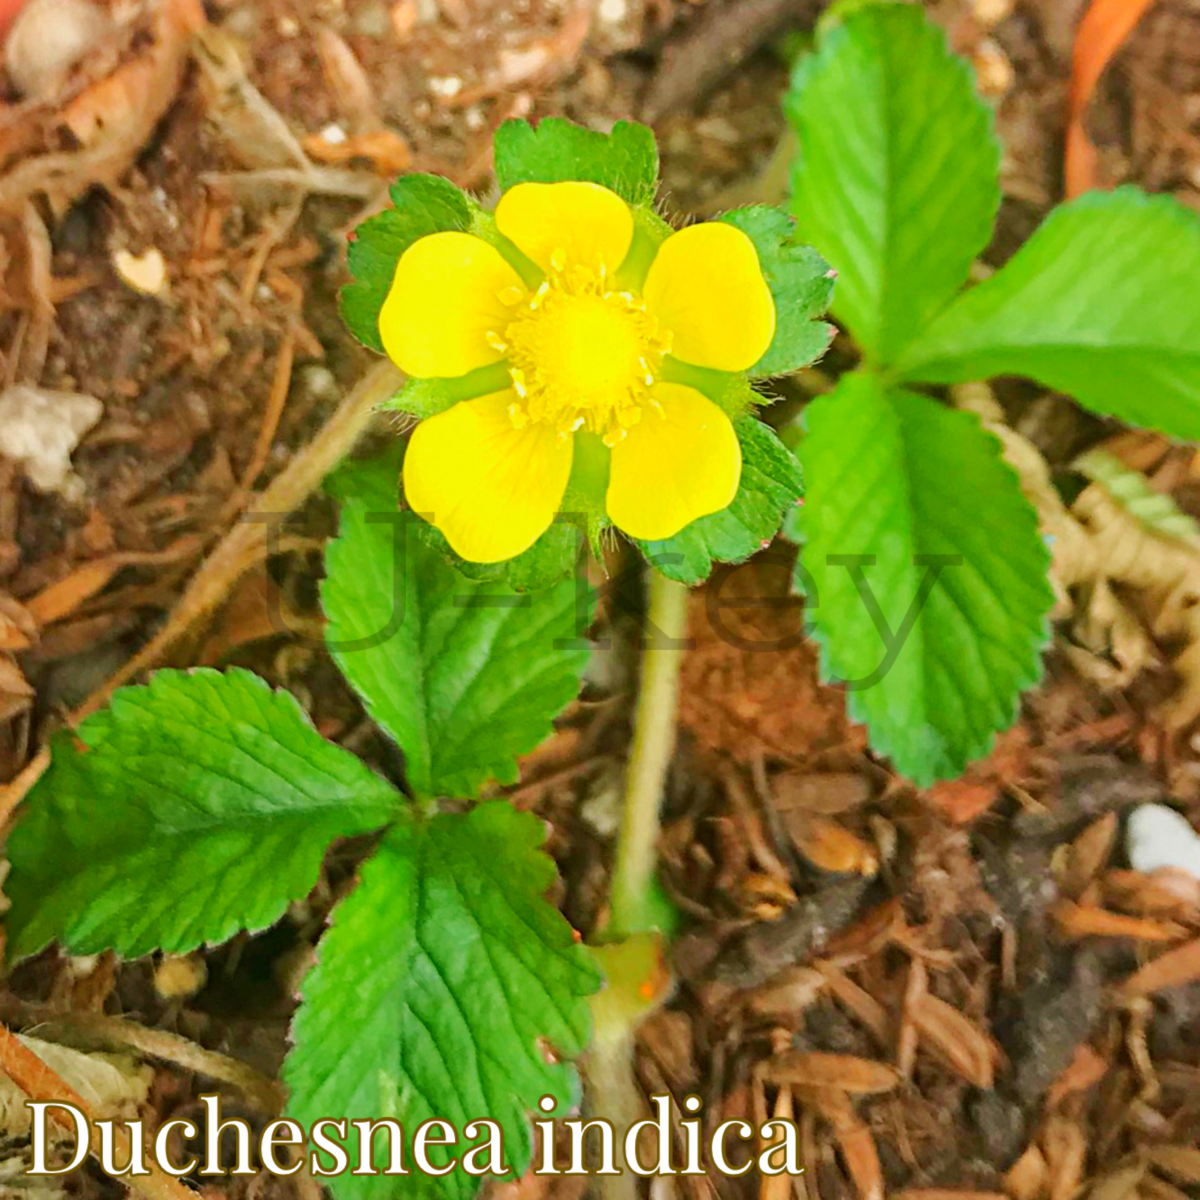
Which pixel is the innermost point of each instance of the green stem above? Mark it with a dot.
(633, 897)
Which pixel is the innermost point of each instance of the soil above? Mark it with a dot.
(832, 908)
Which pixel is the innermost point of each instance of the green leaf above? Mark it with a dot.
(896, 179)
(771, 484)
(464, 675)
(445, 979)
(196, 806)
(424, 204)
(801, 284)
(626, 160)
(898, 477)
(1100, 303)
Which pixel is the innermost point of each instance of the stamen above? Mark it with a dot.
(496, 342)
(581, 355)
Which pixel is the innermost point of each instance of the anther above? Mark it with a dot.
(511, 296)
(494, 340)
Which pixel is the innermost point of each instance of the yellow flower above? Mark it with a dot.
(583, 362)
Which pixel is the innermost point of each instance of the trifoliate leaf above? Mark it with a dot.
(423, 204)
(771, 484)
(896, 179)
(464, 675)
(448, 988)
(191, 808)
(930, 576)
(1100, 303)
(626, 160)
(801, 284)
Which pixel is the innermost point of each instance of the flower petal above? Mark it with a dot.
(445, 299)
(673, 466)
(562, 225)
(707, 288)
(491, 488)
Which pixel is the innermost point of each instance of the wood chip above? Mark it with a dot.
(945, 1194)
(1118, 1184)
(60, 599)
(777, 1187)
(1087, 920)
(18, 629)
(16, 695)
(1180, 1162)
(830, 846)
(1154, 1188)
(845, 1072)
(869, 934)
(915, 989)
(858, 1001)
(853, 1137)
(1065, 1145)
(1085, 1069)
(1088, 855)
(787, 995)
(966, 1049)
(1157, 895)
(386, 151)
(826, 794)
(1172, 969)
(1028, 1177)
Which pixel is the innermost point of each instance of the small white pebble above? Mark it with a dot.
(334, 134)
(47, 39)
(40, 429)
(446, 86)
(1158, 837)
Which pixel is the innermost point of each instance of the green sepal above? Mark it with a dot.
(422, 204)
(427, 397)
(730, 392)
(649, 233)
(801, 284)
(557, 151)
(770, 485)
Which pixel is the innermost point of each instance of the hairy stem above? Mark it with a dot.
(649, 756)
(614, 1096)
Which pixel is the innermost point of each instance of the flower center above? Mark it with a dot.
(582, 355)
